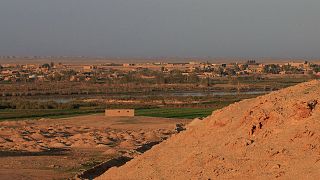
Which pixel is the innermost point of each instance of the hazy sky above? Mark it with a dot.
(217, 28)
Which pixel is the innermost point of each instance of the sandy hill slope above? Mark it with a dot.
(272, 136)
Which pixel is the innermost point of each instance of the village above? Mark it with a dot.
(48, 72)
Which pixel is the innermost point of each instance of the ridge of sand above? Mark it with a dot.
(275, 135)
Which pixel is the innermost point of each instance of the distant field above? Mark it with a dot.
(153, 102)
(43, 113)
(165, 112)
(184, 113)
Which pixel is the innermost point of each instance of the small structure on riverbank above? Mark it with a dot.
(119, 112)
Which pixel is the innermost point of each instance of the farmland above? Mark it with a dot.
(180, 113)
(16, 114)
(166, 102)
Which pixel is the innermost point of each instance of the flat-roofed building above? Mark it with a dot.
(119, 112)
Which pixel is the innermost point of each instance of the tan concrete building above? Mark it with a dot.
(119, 112)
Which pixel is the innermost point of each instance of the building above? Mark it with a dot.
(89, 68)
(128, 65)
(119, 112)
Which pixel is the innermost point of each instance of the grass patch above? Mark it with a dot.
(15, 114)
(181, 113)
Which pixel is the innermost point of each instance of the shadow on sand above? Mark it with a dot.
(115, 162)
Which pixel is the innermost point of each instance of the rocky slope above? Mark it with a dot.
(272, 136)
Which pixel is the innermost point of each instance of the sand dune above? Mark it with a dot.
(272, 136)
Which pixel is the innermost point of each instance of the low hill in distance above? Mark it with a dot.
(272, 136)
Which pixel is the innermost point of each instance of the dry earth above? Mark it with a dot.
(59, 148)
(272, 136)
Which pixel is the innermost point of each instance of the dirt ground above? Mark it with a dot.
(61, 148)
(272, 136)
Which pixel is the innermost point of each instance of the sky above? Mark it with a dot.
(155, 28)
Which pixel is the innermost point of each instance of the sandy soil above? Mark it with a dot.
(60, 148)
(272, 136)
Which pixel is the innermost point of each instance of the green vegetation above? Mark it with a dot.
(154, 101)
(20, 103)
(183, 113)
(316, 67)
(15, 114)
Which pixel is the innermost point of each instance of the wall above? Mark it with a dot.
(119, 112)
